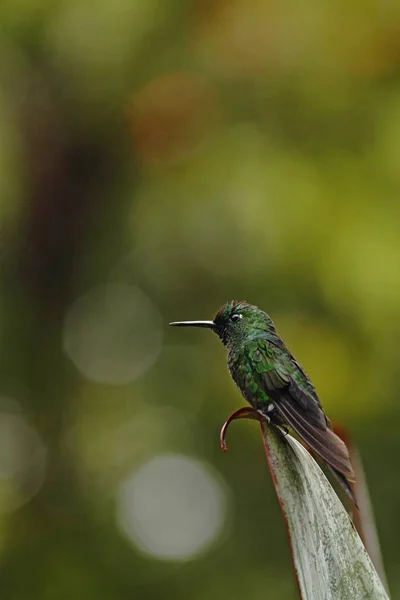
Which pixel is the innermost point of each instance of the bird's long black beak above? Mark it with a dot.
(208, 324)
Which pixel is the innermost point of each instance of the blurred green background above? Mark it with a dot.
(157, 159)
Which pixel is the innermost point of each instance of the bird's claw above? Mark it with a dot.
(263, 415)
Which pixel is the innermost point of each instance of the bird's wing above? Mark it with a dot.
(297, 405)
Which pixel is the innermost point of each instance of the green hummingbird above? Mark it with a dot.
(275, 384)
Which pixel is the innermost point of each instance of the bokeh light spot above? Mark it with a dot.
(113, 334)
(170, 115)
(22, 461)
(172, 507)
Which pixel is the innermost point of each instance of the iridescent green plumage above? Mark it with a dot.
(274, 383)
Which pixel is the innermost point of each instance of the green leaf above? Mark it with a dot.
(330, 560)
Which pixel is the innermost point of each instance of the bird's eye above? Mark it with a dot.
(236, 317)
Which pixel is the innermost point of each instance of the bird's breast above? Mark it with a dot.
(234, 367)
(241, 373)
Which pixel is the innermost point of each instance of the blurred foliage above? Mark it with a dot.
(182, 154)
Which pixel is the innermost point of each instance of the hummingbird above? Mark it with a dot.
(275, 384)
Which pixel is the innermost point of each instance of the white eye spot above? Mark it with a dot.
(236, 317)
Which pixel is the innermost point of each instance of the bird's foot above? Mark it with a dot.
(264, 415)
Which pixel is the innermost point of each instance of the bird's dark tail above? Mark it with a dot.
(322, 440)
(345, 483)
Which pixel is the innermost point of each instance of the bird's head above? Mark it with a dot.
(234, 321)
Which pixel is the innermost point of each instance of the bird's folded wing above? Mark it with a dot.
(277, 380)
(300, 409)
